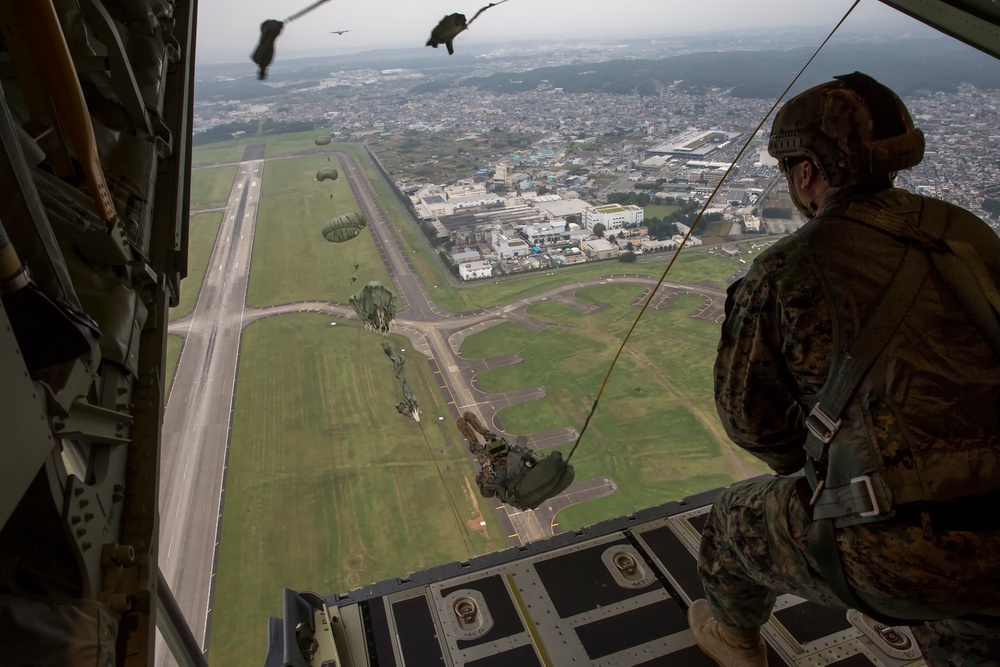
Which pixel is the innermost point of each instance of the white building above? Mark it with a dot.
(507, 247)
(465, 256)
(567, 205)
(612, 216)
(460, 202)
(473, 270)
(545, 232)
(692, 240)
(599, 249)
(653, 245)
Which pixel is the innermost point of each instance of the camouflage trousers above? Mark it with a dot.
(754, 547)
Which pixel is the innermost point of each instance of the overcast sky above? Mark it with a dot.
(228, 29)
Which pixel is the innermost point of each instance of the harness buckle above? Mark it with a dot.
(822, 425)
(866, 481)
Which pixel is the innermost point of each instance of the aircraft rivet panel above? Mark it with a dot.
(612, 572)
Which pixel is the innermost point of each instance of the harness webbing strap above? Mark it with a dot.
(824, 420)
(964, 272)
(823, 547)
(859, 496)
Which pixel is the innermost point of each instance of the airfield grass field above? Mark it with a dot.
(328, 487)
(210, 188)
(204, 227)
(224, 152)
(291, 259)
(655, 432)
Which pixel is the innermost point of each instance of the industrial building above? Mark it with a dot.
(612, 216)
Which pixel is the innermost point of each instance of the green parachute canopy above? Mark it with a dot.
(327, 174)
(344, 227)
(322, 141)
(376, 306)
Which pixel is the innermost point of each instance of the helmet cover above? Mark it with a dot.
(851, 128)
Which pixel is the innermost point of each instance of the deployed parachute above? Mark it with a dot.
(327, 174)
(376, 306)
(322, 141)
(344, 227)
(408, 406)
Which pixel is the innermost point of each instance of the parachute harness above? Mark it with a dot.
(683, 242)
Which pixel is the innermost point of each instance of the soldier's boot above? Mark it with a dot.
(728, 646)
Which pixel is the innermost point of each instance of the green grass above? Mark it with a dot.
(210, 188)
(660, 211)
(691, 266)
(204, 228)
(328, 487)
(282, 144)
(277, 144)
(221, 152)
(291, 260)
(659, 443)
(174, 344)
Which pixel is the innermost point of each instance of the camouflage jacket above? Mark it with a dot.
(779, 340)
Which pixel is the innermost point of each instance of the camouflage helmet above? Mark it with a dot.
(851, 128)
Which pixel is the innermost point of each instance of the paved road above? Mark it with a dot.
(197, 418)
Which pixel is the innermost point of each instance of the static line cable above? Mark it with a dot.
(684, 241)
(305, 11)
(492, 4)
(462, 528)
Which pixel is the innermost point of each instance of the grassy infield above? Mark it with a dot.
(329, 488)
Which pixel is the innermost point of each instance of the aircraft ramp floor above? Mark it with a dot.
(612, 594)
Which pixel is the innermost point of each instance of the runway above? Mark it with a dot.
(197, 417)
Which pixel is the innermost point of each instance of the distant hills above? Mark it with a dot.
(907, 66)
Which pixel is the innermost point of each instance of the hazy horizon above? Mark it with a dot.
(228, 30)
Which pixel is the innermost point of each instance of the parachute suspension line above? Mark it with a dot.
(684, 241)
(357, 344)
(492, 4)
(305, 11)
(462, 528)
(353, 278)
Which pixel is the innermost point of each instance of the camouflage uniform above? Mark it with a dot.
(774, 356)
